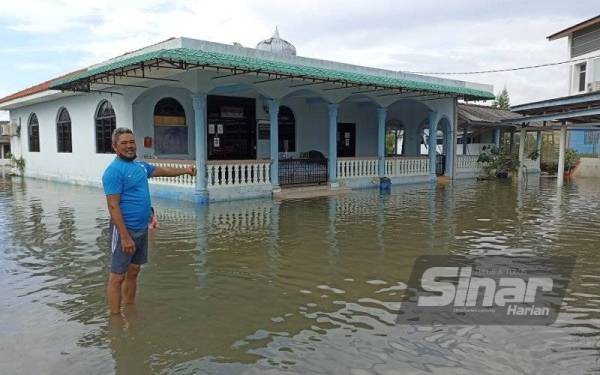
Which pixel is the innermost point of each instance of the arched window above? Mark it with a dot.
(33, 130)
(287, 130)
(170, 129)
(106, 122)
(424, 136)
(394, 138)
(63, 131)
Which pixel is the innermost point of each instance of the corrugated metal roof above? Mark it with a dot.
(483, 115)
(231, 61)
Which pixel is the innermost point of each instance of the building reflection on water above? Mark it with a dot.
(271, 284)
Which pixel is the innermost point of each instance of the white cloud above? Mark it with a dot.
(424, 36)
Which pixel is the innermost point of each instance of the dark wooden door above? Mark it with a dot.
(346, 139)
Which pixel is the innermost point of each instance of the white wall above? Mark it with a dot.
(592, 71)
(143, 118)
(83, 165)
(412, 115)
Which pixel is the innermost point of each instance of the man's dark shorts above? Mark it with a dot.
(120, 260)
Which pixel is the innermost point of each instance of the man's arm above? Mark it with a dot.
(173, 172)
(117, 218)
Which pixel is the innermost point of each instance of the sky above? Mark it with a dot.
(40, 40)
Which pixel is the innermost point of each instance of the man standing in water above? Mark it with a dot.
(125, 182)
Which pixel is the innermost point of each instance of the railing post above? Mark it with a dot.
(199, 102)
(333, 111)
(274, 140)
(381, 115)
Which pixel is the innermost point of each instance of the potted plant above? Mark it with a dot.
(571, 160)
(498, 162)
(17, 165)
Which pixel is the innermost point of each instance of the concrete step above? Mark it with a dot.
(309, 191)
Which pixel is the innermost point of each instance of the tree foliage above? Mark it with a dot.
(502, 100)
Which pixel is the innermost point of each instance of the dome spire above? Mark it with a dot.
(277, 45)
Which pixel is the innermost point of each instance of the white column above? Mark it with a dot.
(538, 147)
(497, 137)
(561, 156)
(464, 146)
(522, 141)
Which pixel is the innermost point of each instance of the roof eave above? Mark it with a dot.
(570, 30)
(202, 59)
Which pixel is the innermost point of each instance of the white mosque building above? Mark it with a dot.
(253, 120)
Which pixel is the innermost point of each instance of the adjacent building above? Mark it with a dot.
(584, 75)
(4, 143)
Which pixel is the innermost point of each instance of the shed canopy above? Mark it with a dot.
(575, 111)
(479, 115)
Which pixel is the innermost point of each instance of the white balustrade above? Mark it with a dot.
(530, 164)
(182, 181)
(467, 163)
(357, 167)
(406, 166)
(231, 173)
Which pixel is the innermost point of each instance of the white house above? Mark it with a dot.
(584, 75)
(253, 120)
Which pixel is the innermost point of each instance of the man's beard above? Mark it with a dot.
(126, 158)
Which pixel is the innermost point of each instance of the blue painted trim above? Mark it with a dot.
(332, 164)
(199, 102)
(433, 120)
(274, 141)
(178, 194)
(381, 116)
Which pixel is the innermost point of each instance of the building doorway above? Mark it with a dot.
(231, 128)
(346, 140)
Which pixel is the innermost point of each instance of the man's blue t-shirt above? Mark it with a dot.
(130, 180)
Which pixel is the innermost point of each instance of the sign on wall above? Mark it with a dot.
(264, 129)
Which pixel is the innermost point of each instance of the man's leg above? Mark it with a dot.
(130, 284)
(113, 292)
(119, 266)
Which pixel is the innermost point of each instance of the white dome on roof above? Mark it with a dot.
(277, 45)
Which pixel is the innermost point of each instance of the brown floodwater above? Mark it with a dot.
(304, 286)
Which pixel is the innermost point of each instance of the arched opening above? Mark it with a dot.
(63, 131)
(287, 130)
(423, 136)
(170, 128)
(443, 147)
(106, 122)
(33, 131)
(394, 138)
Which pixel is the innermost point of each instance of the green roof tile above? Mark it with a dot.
(274, 67)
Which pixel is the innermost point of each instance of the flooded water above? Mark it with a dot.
(306, 286)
